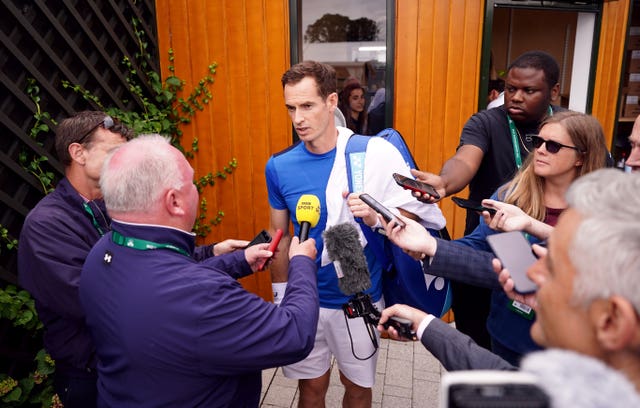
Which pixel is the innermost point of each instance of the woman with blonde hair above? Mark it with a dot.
(574, 145)
(568, 145)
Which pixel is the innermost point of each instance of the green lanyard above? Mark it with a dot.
(514, 137)
(143, 245)
(94, 221)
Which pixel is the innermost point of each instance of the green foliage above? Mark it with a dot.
(165, 113)
(31, 162)
(8, 241)
(18, 307)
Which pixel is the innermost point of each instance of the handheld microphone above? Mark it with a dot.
(344, 248)
(307, 214)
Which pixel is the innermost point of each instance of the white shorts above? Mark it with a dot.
(332, 338)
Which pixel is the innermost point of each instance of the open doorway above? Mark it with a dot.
(565, 29)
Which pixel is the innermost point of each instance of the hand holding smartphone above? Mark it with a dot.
(381, 209)
(472, 205)
(414, 185)
(272, 247)
(262, 237)
(515, 253)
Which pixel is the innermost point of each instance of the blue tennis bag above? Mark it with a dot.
(403, 279)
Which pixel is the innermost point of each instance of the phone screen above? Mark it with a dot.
(515, 253)
(472, 205)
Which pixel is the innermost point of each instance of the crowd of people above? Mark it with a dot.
(136, 315)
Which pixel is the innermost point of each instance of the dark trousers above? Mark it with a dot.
(471, 306)
(76, 390)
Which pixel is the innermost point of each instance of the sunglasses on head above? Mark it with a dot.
(106, 123)
(551, 146)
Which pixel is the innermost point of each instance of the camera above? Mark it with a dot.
(491, 388)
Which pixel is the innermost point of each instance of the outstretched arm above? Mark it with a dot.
(455, 175)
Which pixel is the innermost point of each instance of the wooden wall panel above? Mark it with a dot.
(609, 67)
(438, 49)
(436, 75)
(249, 39)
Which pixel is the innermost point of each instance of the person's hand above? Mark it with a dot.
(508, 217)
(406, 312)
(306, 248)
(256, 254)
(504, 277)
(414, 239)
(229, 245)
(429, 178)
(361, 209)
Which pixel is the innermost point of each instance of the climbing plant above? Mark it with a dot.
(165, 111)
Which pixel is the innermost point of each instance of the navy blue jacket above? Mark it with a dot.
(171, 331)
(55, 239)
(54, 242)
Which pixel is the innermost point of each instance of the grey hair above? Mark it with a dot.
(142, 170)
(605, 249)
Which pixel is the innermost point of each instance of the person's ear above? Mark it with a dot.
(616, 323)
(332, 100)
(174, 203)
(493, 94)
(555, 93)
(76, 151)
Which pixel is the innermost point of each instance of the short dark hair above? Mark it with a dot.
(496, 84)
(324, 75)
(74, 128)
(539, 60)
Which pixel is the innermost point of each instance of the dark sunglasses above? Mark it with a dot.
(551, 146)
(106, 123)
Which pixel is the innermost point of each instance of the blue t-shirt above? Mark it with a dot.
(297, 171)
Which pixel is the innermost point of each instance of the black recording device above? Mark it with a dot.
(344, 249)
(262, 237)
(491, 388)
(361, 305)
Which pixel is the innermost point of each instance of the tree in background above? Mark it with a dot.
(339, 28)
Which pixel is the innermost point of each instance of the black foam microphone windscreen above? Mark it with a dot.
(344, 248)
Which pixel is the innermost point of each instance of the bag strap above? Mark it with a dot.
(355, 153)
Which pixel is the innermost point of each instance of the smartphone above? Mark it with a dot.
(272, 247)
(262, 237)
(491, 388)
(472, 205)
(515, 253)
(381, 209)
(414, 185)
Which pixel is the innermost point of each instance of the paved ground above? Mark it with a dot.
(407, 376)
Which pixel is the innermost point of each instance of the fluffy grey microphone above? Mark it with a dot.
(344, 248)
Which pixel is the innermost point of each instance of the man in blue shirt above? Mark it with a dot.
(316, 165)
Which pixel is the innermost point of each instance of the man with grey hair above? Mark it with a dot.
(587, 305)
(170, 330)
